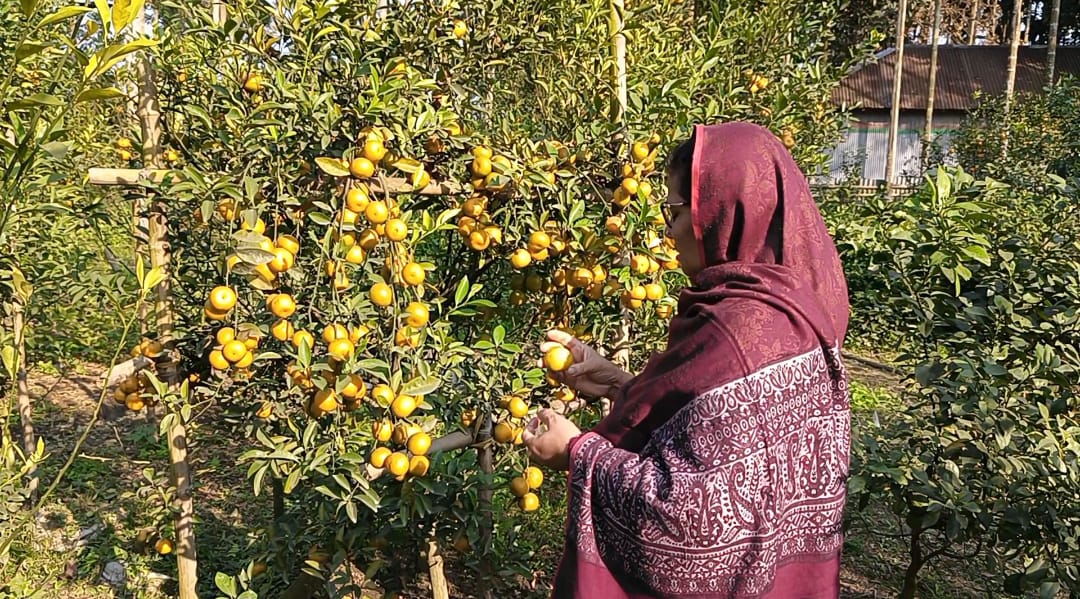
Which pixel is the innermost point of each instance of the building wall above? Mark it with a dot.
(862, 153)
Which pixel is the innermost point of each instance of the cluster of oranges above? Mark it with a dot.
(510, 426)
(234, 351)
(523, 488)
(131, 390)
(413, 443)
(758, 82)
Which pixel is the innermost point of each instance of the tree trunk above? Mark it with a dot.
(915, 563)
(1014, 50)
(484, 497)
(168, 368)
(972, 19)
(22, 392)
(898, 77)
(439, 587)
(1052, 42)
(928, 134)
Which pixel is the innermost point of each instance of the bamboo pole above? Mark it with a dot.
(22, 391)
(971, 22)
(486, 458)
(928, 134)
(1014, 50)
(616, 9)
(898, 77)
(158, 239)
(1052, 42)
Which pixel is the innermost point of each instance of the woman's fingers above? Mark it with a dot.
(560, 337)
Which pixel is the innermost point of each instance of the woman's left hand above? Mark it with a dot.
(552, 446)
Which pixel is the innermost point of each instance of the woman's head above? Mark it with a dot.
(677, 211)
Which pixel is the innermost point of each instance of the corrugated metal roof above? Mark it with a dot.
(962, 70)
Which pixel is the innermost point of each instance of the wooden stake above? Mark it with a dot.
(971, 22)
(928, 134)
(898, 77)
(439, 587)
(1014, 50)
(616, 8)
(1052, 42)
(22, 392)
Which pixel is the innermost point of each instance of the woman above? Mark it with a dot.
(721, 469)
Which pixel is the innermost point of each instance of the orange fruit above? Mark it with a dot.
(326, 401)
(222, 298)
(251, 342)
(403, 406)
(354, 389)
(383, 395)
(461, 29)
(288, 242)
(481, 166)
(225, 335)
(234, 351)
(539, 255)
(334, 331)
(368, 239)
(645, 189)
(535, 477)
(397, 463)
(654, 291)
(357, 199)
(377, 212)
(664, 310)
(630, 185)
(381, 294)
(341, 349)
(357, 333)
(416, 314)
(529, 502)
(479, 240)
(413, 274)
(396, 229)
(382, 430)
(640, 263)
(503, 433)
(638, 292)
(419, 444)
(355, 255)
(483, 151)
(629, 301)
(407, 337)
(282, 305)
(374, 150)
(253, 84)
(520, 259)
(539, 240)
(419, 465)
(283, 260)
(474, 206)
(303, 338)
(558, 358)
(163, 546)
(639, 151)
(519, 486)
(258, 227)
(265, 410)
(246, 360)
(218, 361)
(282, 330)
(378, 456)
(518, 408)
(361, 168)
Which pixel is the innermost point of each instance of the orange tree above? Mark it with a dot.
(375, 216)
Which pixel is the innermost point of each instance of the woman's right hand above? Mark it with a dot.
(591, 374)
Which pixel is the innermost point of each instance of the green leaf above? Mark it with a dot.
(23, 289)
(104, 12)
(64, 13)
(38, 99)
(124, 12)
(421, 386)
(99, 93)
(292, 480)
(332, 166)
(29, 6)
(28, 49)
(978, 253)
(225, 583)
(462, 291)
(11, 365)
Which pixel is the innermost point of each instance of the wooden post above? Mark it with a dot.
(169, 368)
(1052, 42)
(898, 77)
(439, 587)
(484, 497)
(928, 134)
(22, 390)
(618, 51)
(971, 22)
(1014, 50)
(219, 12)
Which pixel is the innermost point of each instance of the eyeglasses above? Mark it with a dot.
(665, 210)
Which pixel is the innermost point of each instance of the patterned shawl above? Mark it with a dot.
(721, 471)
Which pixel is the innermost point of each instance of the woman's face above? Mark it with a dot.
(680, 227)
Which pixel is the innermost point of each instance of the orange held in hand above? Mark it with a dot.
(558, 358)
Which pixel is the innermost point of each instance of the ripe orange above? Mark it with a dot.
(265, 411)
(413, 274)
(225, 335)
(630, 186)
(377, 212)
(234, 351)
(474, 206)
(251, 342)
(403, 406)
(654, 291)
(383, 430)
(460, 29)
(341, 349)
(482, 151)
(253, 84)
(288, 242)
(538, 255)
(282, 305)
(614, 224)
(354, 389)
(283, 260)
(282, 330)
(645, 189)
(419, 465)
(361, 168)
(374, 150)
(519, 486)
(639, 151)
(124, 143)
(520, 259)
(640, 263)
(357, 333)
(479, 240)
(357, 199)
(416, 314)
(381, 294)
(246, 360)
(503, 433)
(303, 338)
(664, 310)
(629, 301)
(397, 463)
(529, 502)
(535, 477)
(383, 395)
(326, 401)
(638, 292)
(396, 229)
(419, 443)
(334, 331)
(558, 358)
(539, 240)
(218, 361)
(407, 337)
(355, 255)
(163, 546)
(379, 456)
(518, 408)
(368, 239)
(481, 166)
(258, 227)
(222, 298)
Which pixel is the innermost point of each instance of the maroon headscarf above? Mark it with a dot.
(721, 471)
(761, 238)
